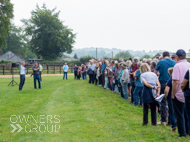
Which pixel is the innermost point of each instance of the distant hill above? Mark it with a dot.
(106, 52)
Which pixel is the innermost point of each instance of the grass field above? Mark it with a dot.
(77, 111)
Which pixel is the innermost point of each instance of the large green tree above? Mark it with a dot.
(6, 13)
(49, 37)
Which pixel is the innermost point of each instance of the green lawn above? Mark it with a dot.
(83, 112)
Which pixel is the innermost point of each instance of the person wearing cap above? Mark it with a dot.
(124, 77)
(185, 86)
(151, 83)
(162, 67)
(179, 72)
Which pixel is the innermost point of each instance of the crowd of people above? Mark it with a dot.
(160, 84)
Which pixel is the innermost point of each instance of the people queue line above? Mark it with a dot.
(161, 85)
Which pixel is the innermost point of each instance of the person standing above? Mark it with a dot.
(91, 72)
(124, 80)
(75, 71)
(163, 66)
(178, 99)
(151, 83)
(137, 94)
(103, 68)
(185, 86)
(22, 75)
(65, 70)
(36, 73)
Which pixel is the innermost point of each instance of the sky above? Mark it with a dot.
(123, 24)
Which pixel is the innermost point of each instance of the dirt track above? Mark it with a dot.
(28, 75)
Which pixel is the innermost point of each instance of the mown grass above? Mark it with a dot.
(87, 113)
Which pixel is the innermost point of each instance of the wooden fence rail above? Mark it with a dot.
(47, 69)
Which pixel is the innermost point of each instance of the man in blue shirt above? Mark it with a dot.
(65, 70)
(103, 71)
(163, 66)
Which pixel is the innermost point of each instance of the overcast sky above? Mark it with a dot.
(124, 24)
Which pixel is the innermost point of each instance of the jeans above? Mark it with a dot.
(133, 88)
(171, 113)
(22, 80)
(179, 109)
(38, 78)
(103, 79)
(124, 90)
(106, 82)
(163, 102)
(65, 74)
(153, 113)
(137, 93)
(83, 76)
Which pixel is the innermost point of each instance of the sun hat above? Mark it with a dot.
(123, 65)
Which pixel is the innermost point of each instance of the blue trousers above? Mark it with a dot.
(22, 80)
(83, 76)
(124, 90)
(137, 94)
(119, 88)
(65, 74)
(38, 78)
(171, 113)
(132, 89)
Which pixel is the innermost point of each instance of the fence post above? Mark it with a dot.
(60, 68)
(54, 69)
(3, 70)
(27, 70)
(47, 70)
